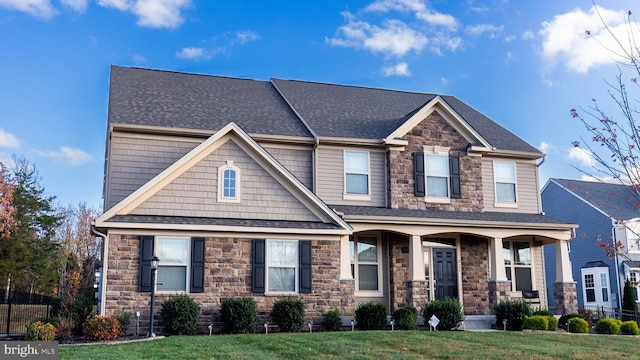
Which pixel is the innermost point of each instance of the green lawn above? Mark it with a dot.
(370, 345)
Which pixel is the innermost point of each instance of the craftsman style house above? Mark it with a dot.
(333, 194)
(607, 214)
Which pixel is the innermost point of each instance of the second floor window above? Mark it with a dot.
(505, 180)
(437, 173)
(356, 173)
(229, 183)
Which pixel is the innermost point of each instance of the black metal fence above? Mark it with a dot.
(600, 312)
(18, 309)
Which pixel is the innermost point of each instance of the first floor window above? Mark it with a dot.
(634, 277)
(282, 261)
(590, 288)
(172, 273)
(365, 266)
(595, 285)
(517, 261)
(505, 181)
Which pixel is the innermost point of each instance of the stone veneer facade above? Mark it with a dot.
(432, 131)
(227, 274)
(566, 298)
(474, 258)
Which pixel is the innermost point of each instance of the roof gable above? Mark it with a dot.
(178, 180)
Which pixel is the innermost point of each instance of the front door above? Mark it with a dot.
(445, 274)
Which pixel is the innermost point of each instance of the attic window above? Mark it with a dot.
(228, 183)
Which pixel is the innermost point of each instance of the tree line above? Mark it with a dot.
(45, 249)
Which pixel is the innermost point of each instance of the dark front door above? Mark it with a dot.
(445, 274)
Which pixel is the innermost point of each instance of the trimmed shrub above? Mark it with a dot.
(629, 328)
(608, 326)
(542, 312)
(562, 322)
(553, 323)
(371, 316)
(536, 322)
(102, 328)
(578, 325)
(81, 309)
(42, 331)
(239, 315)
(180, 315)
(513, 311)
(288, 314)
(448, 311)
(332, 321)
(406, 318)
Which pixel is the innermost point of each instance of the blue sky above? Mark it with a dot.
(524, 64)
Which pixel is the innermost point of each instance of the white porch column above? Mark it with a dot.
(563, 264)
(498, 272)
(416, 263)
(345, 258)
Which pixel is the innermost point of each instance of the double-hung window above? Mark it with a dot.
(356, 173)
(634, 277)
(437, 175)
(282, 266)
(595, 285)
(517, 261)
(229, 183)
(173, 268)
(504, 173)
(365, 254)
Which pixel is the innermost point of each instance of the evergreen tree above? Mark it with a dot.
(629, 300)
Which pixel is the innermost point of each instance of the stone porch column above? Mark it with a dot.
(499, 285)
(565, 293)
(416, 284)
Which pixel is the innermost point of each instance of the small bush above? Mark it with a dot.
(512, 311)
(42, 331)
(553, 323)
(589, 316)
(124, 318)
(629, 328)
(239, 315)
(608, 326)
(448, 311)
(535, 322)
(578, 325)
(102, 328)
(406, 318)
(562, 322)
(371, 316)
(81, 310)
(542, 312)
(288, 314)
(332, 321)
(180, 315)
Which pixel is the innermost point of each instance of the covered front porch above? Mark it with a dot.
(411, 261)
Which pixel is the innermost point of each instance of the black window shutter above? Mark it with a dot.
(454, 177)
(305, 267)
(258, 266)
(197, 265)
(418, 174)
(144, 273)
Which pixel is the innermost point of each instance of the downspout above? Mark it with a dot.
(544, 156)
(103, 281)
(613, 239)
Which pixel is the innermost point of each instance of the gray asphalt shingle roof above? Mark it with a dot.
(451, 215)
(618, 201)
(204, 102)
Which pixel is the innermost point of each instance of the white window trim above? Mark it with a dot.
(632, 233)
(345, 195)
(161, 263)
(266, 269)
(636, 283)
(228, 166)
(368, 293)
(438, 151)
(503, 204)
(596, 271)
(513, 266)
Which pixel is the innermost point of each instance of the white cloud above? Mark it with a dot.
(582, 156)
(444, 80)
(38, 8)
(192, 53)
(418, 7)
(528, 35)
(8, 140)
(393, 38)
(477, 30)
(246, 36)
(508, 57)
(546, 148)
(76, 5)
(139, 59)
(67, 156)
(152, 13)
(401, 69)
(565, 39)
